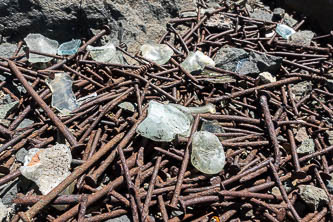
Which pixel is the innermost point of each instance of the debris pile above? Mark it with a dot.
(228, 117)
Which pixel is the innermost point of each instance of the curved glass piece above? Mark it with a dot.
(40, 43)
(207, 153)
(196, 62)
(63, 98)
(158, 53)
(69, 48)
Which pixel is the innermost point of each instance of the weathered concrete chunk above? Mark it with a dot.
(312, 196)
(266, 77)
(302, 38)
(306, 147)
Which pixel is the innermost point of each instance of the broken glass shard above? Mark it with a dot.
(40, 43)
(47, 167)
(284, 31)
(195, 62)
(164, 122)
(207, 153)
(158, 53)
(69, 48)
(106, 53)
(63, 98)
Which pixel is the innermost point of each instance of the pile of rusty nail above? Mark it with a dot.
(93, 160)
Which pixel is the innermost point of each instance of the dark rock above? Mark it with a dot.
(265, 63)
(247, 66)
(7, 50)
(227, 58)
(74, 19)
(278, 13)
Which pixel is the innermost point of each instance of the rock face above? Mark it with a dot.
(142, 20)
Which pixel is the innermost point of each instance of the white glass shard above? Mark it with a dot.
(164, 122)
(158, 53)
(284, 31)
(207, 153)
(69, 48)
(196, 62)
(63, 98)
(106, 53)
(40, 43)
(47, 167)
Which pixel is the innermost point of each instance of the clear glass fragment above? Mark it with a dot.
(196, 62)
(284, 31)
(106, 53)
(47, 167)
(158, 53)
(165, 121)
(40, 43)
(207, 153)
(69, 48)
(63, 98)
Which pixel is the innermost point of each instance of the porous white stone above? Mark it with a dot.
(47, 167)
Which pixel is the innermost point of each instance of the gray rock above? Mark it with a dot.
(7, 50)
(300, 89)
(306, 147)
(302, 38)
(25, 123)
(8, 192)
(289, 20)
(238, 60)
(123, 218)
(312, 196)
(6, 109)
(21, 154)
(261, 15)
(227, 58)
